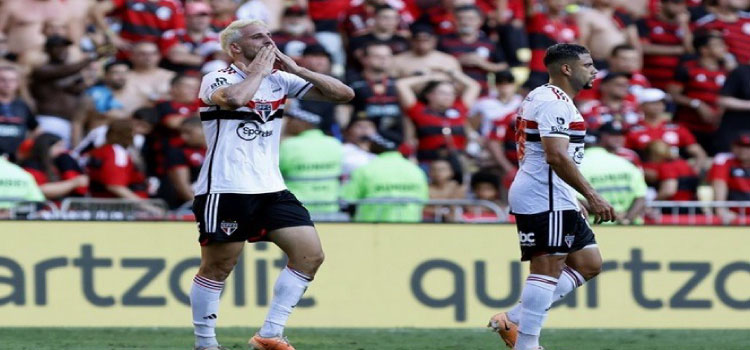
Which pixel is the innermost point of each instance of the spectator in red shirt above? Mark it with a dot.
(187, 49)
(477, 54)
(295, 33)
(438, 124)
(733, 24)
(184, 162)
(145, 20)
(730, 176)
(224, 13)
(657, 126)
(55, 171)
(665, 37)
(613, 105)
(111, 168)
(546, 28)
(182, 105)
(440, 16)
(623, 59)
(675, 178)
(696, 88)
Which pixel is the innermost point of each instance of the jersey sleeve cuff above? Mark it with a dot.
(301, 93)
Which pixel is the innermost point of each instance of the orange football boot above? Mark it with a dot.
(507, 330)
(276, 343)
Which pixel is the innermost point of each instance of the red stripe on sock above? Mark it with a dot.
(210, 282)
(204, 285)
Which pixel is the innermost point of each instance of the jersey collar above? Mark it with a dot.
(239, 71)
(559, 90)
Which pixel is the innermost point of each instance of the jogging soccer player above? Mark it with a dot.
(553, 232)
(240, 194)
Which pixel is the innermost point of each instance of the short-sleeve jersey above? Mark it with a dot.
(243, 144)
(546, 112)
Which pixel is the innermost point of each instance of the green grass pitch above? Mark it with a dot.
(371, 339)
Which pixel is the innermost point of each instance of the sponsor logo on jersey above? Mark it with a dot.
(229, 227)
(526, 239)
(250, 130)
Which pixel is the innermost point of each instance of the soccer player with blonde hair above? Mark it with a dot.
(240, 194)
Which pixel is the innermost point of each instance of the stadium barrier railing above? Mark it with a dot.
(457, 211)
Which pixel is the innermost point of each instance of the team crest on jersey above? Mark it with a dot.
(569, 240)
(229, 227)
(263, 109)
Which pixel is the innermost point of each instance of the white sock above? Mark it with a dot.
(288, 290)
(204, 300)
(569, 280)
(536, 299)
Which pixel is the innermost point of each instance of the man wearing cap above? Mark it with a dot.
(612, 138)
(58, 88)
(656, 125)
(730, 177)
(295, 33)
(389, 176)
(310, 161)
(615, 178)
(188, 48)
(613, 104)
(423, 56)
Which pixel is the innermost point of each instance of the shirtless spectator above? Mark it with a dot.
(296, 32)
(16, 119)
(23, 23)
(256, 9)
(58, 87)
(602, 27)
(104, 94)
(225, 12)
(477, 54)
(666, 36)
(146, 82)
(443, 185)
(143, 20)
(383, 31)
(187, 49)
(375, 96)
(613, 104)
(623, 59)
(423, 56)
(728, 18)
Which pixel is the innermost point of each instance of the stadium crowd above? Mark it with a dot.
(99, 98)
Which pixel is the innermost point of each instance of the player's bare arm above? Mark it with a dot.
(238, 95)
(555, 150)
(325, 88)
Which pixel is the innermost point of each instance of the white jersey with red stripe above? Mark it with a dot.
(243, 144)
(546, 112)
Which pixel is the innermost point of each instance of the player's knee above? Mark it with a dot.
(217, 270)
(591, 271)
(309, 264)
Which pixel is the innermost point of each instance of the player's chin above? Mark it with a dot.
(589, 85)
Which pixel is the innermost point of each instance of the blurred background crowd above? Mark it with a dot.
(99, 99)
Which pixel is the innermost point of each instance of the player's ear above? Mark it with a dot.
(235, 49)
(566, 69)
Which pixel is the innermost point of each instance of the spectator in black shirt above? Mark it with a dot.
(735, 98)
(384, 31)
(296, 32)
(375, 96)
(476, 52)
(16, 119)
(318, 60)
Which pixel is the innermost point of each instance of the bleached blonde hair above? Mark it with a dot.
(232, 33)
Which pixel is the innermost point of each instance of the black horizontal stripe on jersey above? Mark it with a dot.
(239, 115)
(537, 138)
